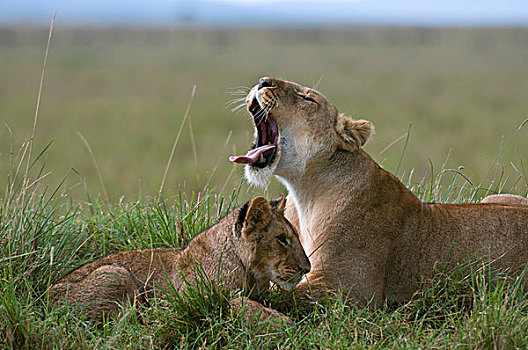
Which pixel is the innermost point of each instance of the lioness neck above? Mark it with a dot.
(320, 189)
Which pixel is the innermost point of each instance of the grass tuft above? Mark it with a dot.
(47, 236)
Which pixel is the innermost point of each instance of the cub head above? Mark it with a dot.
(270, 244)
(294, 126)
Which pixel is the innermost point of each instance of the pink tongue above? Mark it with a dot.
(252, 156)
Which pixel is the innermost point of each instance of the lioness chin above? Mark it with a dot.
(363, 229)
(252, 246)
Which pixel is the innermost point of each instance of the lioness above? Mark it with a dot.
(252, 246)
(365, 231)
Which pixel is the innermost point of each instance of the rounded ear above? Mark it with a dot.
(258, 215)
(279, 204)
(353, 133)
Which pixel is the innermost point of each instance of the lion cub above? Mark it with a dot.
(252, 246)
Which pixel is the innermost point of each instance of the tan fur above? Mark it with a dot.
(364, 229)
(506, 199)
(249, 242)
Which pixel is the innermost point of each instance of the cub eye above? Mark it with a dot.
(283, 240)
(307, 98)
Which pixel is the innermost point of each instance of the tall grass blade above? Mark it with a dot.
(176, 143)
(404, 149)
(37, 108)
(97, 168)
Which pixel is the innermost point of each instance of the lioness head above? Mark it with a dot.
(295, 125)
(271, 244)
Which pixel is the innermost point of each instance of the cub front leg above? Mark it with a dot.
(256, 312)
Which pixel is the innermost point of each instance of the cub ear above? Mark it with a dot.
(353, 133)
(258, 215)
(279, 204)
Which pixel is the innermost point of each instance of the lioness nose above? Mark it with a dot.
(263, 82)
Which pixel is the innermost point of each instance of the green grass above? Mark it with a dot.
(126, 92)
(464, 307)
(43, 235)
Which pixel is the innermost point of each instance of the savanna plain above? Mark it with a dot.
(99, 175)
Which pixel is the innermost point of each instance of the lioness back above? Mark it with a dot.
(252, 246)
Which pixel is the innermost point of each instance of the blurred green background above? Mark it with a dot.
(465, 92)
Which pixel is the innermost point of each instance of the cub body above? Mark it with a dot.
(252, 246)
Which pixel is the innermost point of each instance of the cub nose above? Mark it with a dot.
(264, 82)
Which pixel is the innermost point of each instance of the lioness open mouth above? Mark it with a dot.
(263, 152)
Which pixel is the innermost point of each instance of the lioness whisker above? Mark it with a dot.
(267, 109)
(260, 116)
(237, 103)
(239, 91)
(238, 108)
(235, 100)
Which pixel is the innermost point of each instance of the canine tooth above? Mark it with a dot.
(261, 159)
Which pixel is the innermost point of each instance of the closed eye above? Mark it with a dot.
(283, 240)
(307, 98)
